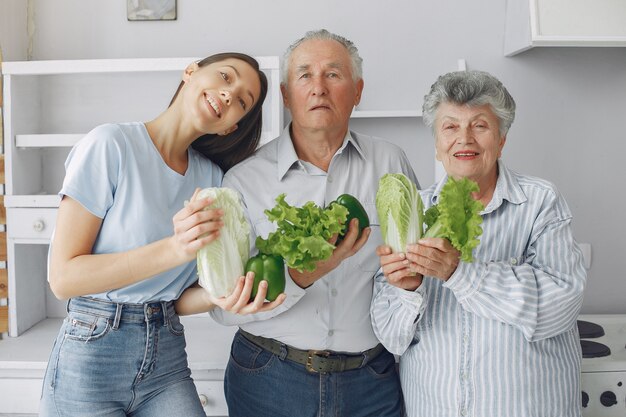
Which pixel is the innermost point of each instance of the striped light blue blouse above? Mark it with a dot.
(499, 338)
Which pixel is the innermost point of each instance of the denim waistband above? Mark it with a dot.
(158, 311)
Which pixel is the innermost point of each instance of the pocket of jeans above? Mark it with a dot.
(85, 326)
(383, 365)
(249, 357)
(175, 326)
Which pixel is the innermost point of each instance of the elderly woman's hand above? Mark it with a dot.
(434, 257)
(396, 269)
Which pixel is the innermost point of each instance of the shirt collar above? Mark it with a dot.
(507, 188)
(287, 157)
(286, 154)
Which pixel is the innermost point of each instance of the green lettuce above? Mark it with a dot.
(400, 210)
(302, 233)
(221, 262)
(456, 216)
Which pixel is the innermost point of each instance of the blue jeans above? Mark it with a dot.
(119, 360)
(260, 384)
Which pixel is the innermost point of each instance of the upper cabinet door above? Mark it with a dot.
(532, 23)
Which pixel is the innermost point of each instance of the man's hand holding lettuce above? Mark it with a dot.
(303, 233)
(313, 240)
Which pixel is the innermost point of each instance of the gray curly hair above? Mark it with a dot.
(473, 88)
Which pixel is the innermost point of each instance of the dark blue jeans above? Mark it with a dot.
(260, 384)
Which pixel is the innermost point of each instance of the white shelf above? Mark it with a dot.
(47, 140)
(363, 114)
(35, 200)
(67, 140)
(563, 23)
(52, 67)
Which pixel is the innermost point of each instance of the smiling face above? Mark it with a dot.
(468, 142)
(218, 95)
(320, 91)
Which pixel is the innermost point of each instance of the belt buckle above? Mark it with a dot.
(309, 359)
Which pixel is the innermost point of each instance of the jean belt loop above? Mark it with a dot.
(283, 352)
(118, 315)
(166, 312)
(365, 360)
(67, 306)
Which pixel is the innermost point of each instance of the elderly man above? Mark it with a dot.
(496, 336)
(316, 354)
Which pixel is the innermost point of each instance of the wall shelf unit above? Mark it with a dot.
(373, 114)
(48, 107)
(540, 23)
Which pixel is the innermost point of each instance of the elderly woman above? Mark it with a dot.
(497, 336)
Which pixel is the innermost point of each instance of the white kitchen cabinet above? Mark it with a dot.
(534, 23)
(23, 362)
(48, 107)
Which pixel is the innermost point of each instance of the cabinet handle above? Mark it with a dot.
(204, 400)
(39, 225)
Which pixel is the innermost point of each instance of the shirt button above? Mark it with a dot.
(465, 338)
(513, 261)
(329, 179)
(333, 292)
(331, 332)
(463, 412)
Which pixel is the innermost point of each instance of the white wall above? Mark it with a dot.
(13, 31)
(571, 102)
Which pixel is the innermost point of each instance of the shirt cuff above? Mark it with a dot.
(292, 290)
(467, 278)
(413, 300)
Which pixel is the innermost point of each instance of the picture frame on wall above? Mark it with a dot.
(142, 10)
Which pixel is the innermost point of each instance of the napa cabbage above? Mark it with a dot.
(400, 211)
(221, 262)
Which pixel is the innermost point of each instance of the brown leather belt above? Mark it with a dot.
(317, 361)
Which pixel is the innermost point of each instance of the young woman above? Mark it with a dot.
(124, 245)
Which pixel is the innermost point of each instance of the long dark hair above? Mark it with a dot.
(228, 150)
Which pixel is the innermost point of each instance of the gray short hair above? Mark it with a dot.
(323, 34)
(472, 88)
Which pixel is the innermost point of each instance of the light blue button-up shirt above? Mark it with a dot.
(499, 338)
(333, 313)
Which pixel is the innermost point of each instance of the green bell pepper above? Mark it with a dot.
(268, 268)
(355, 210)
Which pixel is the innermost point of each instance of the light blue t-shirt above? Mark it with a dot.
(117, 174)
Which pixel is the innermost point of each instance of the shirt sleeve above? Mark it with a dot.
(395, 313)
(92, 169)
(293, 292)
(540, 293)
(405, 166)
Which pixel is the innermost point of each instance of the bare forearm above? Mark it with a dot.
(194, 300)
(90, 274)
(306, 279)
